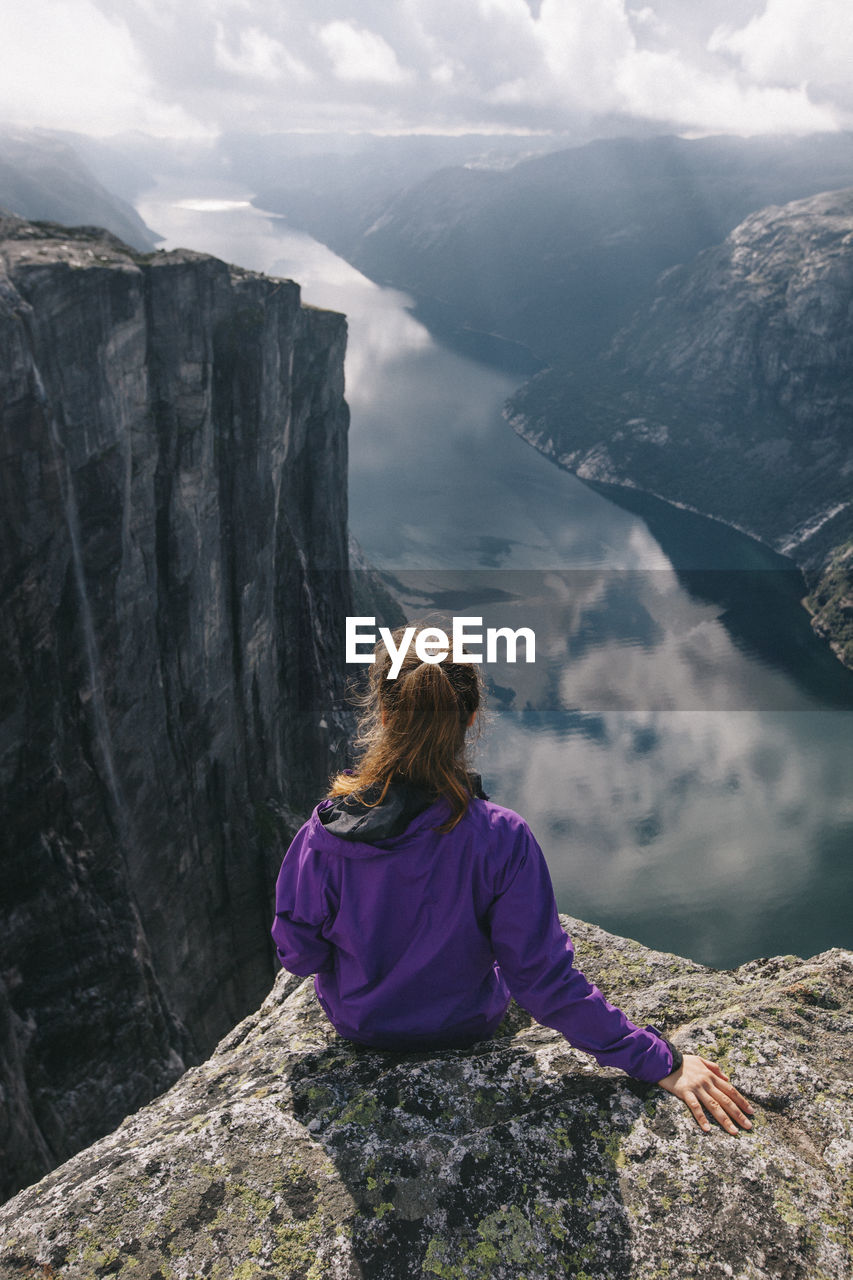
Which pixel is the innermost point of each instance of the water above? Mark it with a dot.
(682, 745)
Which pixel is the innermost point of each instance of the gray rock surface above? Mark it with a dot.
(292, 1154)
(831, 602)
(173, 586)
(732, 393)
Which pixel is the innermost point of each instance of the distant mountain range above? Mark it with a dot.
(704, 384)
(697, 335)
(44, 179)
(732, 392)
(558, 250)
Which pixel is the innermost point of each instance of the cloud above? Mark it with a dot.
(47, 76)
(581, 42)
(594, 62)
(662, 86)
(579, 58)
(256, 55)
(645, 17)
(357, 54)
(792, 42)
(443, 65)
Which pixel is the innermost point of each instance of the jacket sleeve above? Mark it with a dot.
(301, 910)
(536, 958)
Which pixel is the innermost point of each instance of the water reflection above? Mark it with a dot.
(681, 746)
(436, 477)
(630, 640)
(717, 835)
(685, 792)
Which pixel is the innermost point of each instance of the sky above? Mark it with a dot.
(197, 68)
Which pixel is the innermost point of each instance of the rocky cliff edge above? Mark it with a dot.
(173, 588)
(292, 1154)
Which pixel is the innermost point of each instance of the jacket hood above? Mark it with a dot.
(350, 819)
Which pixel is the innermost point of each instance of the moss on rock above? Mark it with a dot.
(292, 1155)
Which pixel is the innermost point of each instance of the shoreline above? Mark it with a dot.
(812, 577)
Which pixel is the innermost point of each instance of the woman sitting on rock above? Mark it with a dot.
(421, 907)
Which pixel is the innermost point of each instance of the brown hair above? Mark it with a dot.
(414, 727)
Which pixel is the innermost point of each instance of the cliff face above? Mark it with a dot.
(831, 602)
(290, 1153)
(732, 392)
(173, 533)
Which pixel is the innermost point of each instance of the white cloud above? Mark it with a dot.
(446, 65)
(793, 41)
(589, 61)
(442, 73)
(255, 54)
(514, 10)
(645, 17)
(358, 54)
(63, 64)
(662, 86)
(481, 44)
(581, 41)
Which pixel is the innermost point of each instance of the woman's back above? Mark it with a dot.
(420, 938)
(420, 906)
(400, 911)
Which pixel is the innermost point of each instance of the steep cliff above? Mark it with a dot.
(290, 1153)
(174, 586)
(733, 392)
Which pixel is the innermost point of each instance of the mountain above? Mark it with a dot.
(558, 250)
(43, 178)
(173, 588)
(561, 251)
(732, 392)
(292, 1153)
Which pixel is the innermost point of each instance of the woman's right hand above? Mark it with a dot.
(702, 1085)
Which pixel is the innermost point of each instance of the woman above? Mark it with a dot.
(421, 907)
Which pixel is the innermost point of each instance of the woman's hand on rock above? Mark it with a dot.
(702, 1086)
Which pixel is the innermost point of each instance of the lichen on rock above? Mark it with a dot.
(291, 1153)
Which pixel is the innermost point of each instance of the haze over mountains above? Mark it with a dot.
(553, 248)
(43, 178)
(558, 250)
(562, 251)
(732, 392)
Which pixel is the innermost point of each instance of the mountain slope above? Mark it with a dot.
(557, 251)
(43, 178)
(733, 391)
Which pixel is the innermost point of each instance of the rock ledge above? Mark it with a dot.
(292, 1154)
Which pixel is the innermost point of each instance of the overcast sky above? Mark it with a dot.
(195, 67)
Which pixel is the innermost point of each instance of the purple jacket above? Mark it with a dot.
(418, 938)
